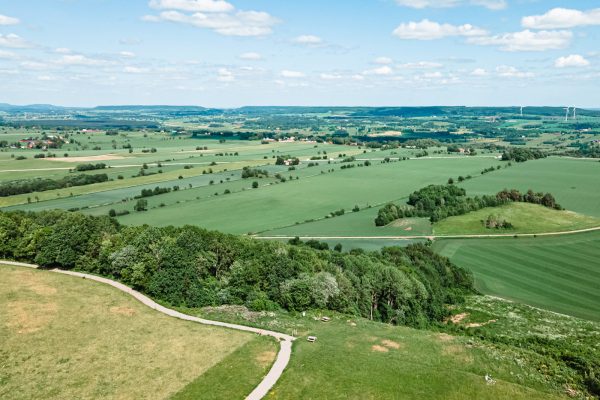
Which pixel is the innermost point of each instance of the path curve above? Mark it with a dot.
(285, 341)
(431, 237)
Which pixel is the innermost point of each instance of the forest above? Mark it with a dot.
(192, 267)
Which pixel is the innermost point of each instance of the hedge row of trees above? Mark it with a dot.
(248, 172)
(520, 154)
(43, 184)
(437, 202)
(189, 266)
(89, 167)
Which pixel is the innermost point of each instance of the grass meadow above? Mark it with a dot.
(63, 338)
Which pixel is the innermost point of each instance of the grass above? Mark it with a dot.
(236, 376)
(525, 218)
(359, 359)
(63, 337)
(560, 273)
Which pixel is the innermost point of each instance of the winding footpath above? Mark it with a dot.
(285, 341)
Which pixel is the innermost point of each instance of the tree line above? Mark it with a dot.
(192, 267)
(437, 202)
(44, 184)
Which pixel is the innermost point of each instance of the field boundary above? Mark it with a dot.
(432, 237)
(285, 341)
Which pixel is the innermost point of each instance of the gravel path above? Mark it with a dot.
(283, 357)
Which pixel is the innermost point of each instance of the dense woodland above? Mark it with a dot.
(193, 267)
(437, 202)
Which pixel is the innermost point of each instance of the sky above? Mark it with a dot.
(231, 53)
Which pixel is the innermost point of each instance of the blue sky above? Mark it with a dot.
(231, 53)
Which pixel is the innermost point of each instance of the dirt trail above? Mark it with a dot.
(260, 391)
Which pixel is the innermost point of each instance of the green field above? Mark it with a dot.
(525, 218)
(559, 273)
(62, 337)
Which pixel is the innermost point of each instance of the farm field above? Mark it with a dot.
(64, 337)
(525, 218)
(561, 273)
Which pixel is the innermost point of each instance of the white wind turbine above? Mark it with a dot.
(575, 113)
(567, 114)
(522, 107)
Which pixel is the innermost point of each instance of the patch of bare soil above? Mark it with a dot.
(127, 311)
(26, 317)
(479, 324)
(379, 349)
(458, 318)
(390, 344)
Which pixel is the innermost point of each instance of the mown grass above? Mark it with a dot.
(236, 376)
(358, 359)
(559, 273)
(63, 338)
(525, 218)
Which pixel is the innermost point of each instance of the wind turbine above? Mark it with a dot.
(522, 107)
(567, 114)
(575, 113)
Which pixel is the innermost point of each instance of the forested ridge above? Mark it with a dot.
(189, 266)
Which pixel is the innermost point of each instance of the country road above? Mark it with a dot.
(261, 390)
(432, 237)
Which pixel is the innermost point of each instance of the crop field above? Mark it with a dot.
(557, 273)
(525, 218)
(64, 337)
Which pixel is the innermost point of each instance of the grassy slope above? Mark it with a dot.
(63, 337)
(557, 273)
(358, 359)
(526, 218)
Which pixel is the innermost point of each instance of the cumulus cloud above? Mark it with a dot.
(250, 56)
(526, 40)
(193, 5)
(382, 71)
(429, 30)
(81, 60)
(490, 4)
(558, 18)
(479, 72)
(6, 20)
(512, 72)
(574, 60)
(14, 41)
(331, 77)
(135, 70)
(421, 65)
(216, 15)
(7, 55)
(310, 40)
(127, 54)
(292, 74)
(225, 75)
(383, 60)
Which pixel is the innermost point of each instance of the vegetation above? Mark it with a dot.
(193, 267)
(519, 154)
(64, 337)
(89, 167)
(44, 184)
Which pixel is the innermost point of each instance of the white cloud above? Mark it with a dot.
(429, 30)
(46, 78)
(14, 41)
(79, 59)
(135, 70)
(127, 54)
(292, 74)
(225, 75)
(234, 23)
(34, 65)
(251, 56)
(562, 18)
(421, 65)
(358, 77)
(382, 71)
(527, 40)
(490, 4)
(310, 40)
(512, 72)
(574, 60)
(479, 72)
(6, 20)
(383, 60)
(7, 55)
(331, 77)
(193, 5)
(62, 50)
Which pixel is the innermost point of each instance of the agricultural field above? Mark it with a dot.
(64, 337)
(558, 273)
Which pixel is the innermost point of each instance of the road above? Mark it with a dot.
(432, 237)
(285, 341)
